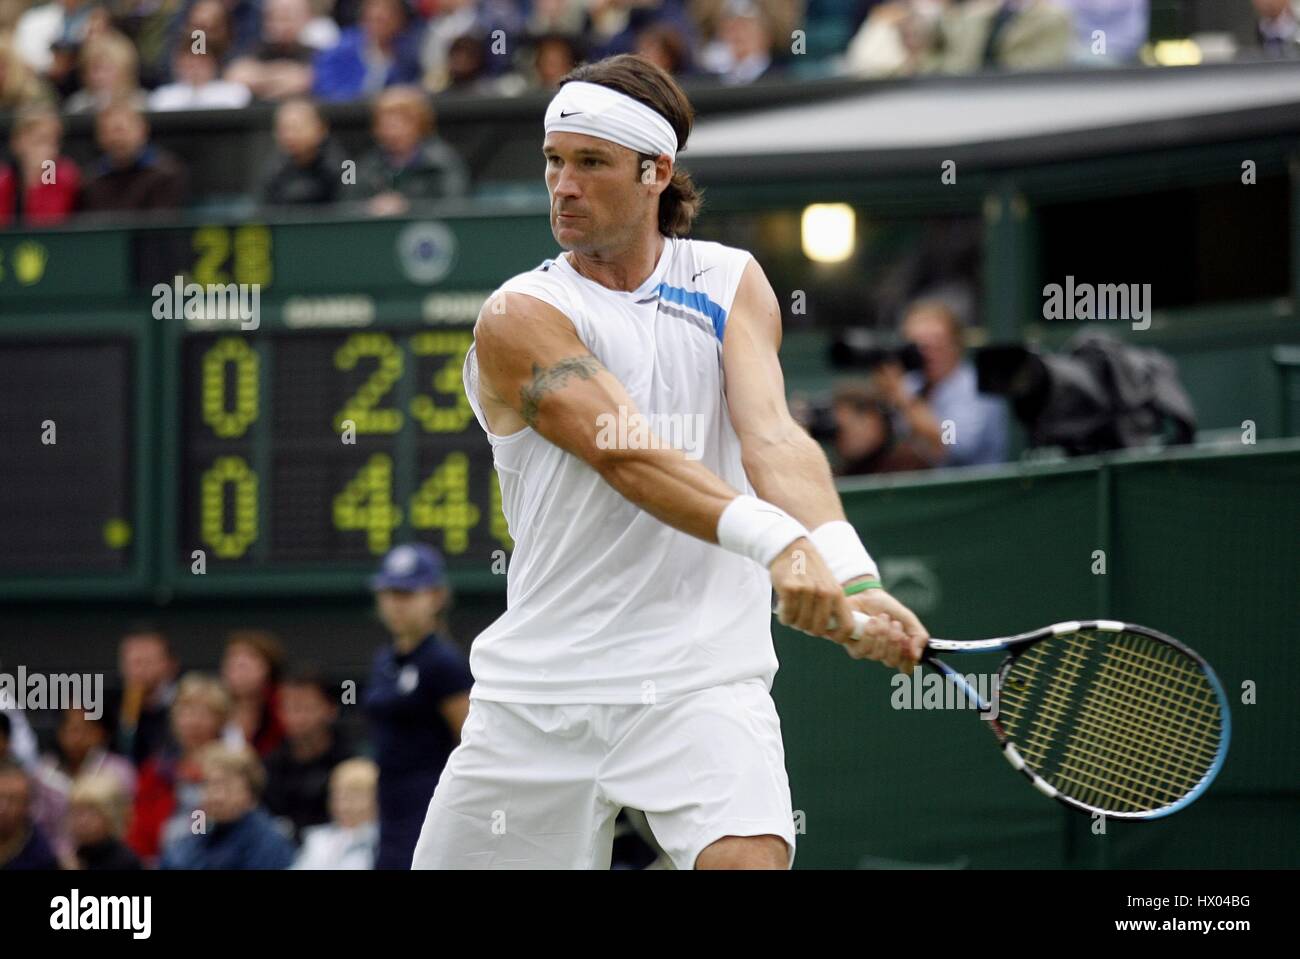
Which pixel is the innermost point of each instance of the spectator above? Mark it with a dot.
(417, 698)
(238, 834)
(382, 51)
(40, 187)
(251, 668)
(230, 28)
(944, 415)
(280, 66)
(22, 845)
(784, 16)
(308, 165)
(110, 73)
(565, 17)
(169, 788)
(1002, 35)
(742, 51)
(82, 750)
(551, 57)
(298, 770)
(467, 66)
(1277, 28)
(46, 795)
(409, 162)
(141, 711)
(154, 28)
(865, 441)
(666, 46)
(40, 27)
(350, 840)
(198, 86)
(456, 18)
(1108, 32)
(17, 740)
(97, 807)
(895, 39)
(133, 174)
(20, 87)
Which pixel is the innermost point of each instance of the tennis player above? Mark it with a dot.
(633, 664)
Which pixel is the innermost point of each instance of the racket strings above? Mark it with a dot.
(1124, 723)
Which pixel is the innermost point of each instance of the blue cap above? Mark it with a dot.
(410, 566)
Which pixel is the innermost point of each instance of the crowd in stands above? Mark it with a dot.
(245, 767)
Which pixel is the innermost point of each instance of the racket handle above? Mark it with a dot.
(860, 621)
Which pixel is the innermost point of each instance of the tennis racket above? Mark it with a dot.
(1103, 716)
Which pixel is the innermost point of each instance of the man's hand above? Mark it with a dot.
(808, 595)
(900, 639)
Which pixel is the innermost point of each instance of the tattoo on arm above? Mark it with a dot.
(552, 378)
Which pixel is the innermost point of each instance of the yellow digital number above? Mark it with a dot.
(366, 503)
(363, 408)
(442, 502)
(498, 526)
(253, 255)
(228, 471)
(212, 244)
(455, 416)
(227, 423)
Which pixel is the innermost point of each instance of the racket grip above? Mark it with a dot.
(860, 621)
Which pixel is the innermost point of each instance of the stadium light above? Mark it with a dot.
(828, 232)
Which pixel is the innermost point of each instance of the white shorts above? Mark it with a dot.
(538, 786)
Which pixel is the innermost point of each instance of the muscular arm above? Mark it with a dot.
(784, 463)
(532, 361)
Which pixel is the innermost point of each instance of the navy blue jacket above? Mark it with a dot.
(250, 842)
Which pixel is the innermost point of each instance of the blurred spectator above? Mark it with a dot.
(944, 415)
(238, 833)
(417, 698)
(281, 65)
(895, 39)
(556, 16)
(380, 52)
(1277, 28)
(154, 28)
(169, 788)
(97, 807)
(230, 28)
(46, 794)
(298, 770)
(307, 166)
(784, 16)
(251, 668)
(742, 51)
(865, 441)
(666, 46)
(16, 737)
(613, 25)
(22, 845)
(141, 711)
(467, 70)
(1108, 31)
(40, 187)
(109, 73)
(351, 839)
(20, 87)
(457, 18)
(978, 35)
(198, 85)
(548, 58)
(82, 750)
(409, 161)
(40, 27)
(133, 174)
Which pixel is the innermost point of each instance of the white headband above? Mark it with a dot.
(601, 112)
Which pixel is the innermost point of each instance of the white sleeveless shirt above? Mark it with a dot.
(605, 603)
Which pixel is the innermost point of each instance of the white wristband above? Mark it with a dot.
(757, 529)
(838, 543)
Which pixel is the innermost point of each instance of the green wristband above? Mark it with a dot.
(862, 587)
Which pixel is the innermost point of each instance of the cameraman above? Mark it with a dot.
(864, 438)
(943, 394)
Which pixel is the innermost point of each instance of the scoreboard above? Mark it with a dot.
(300, 449)
(146, 452)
